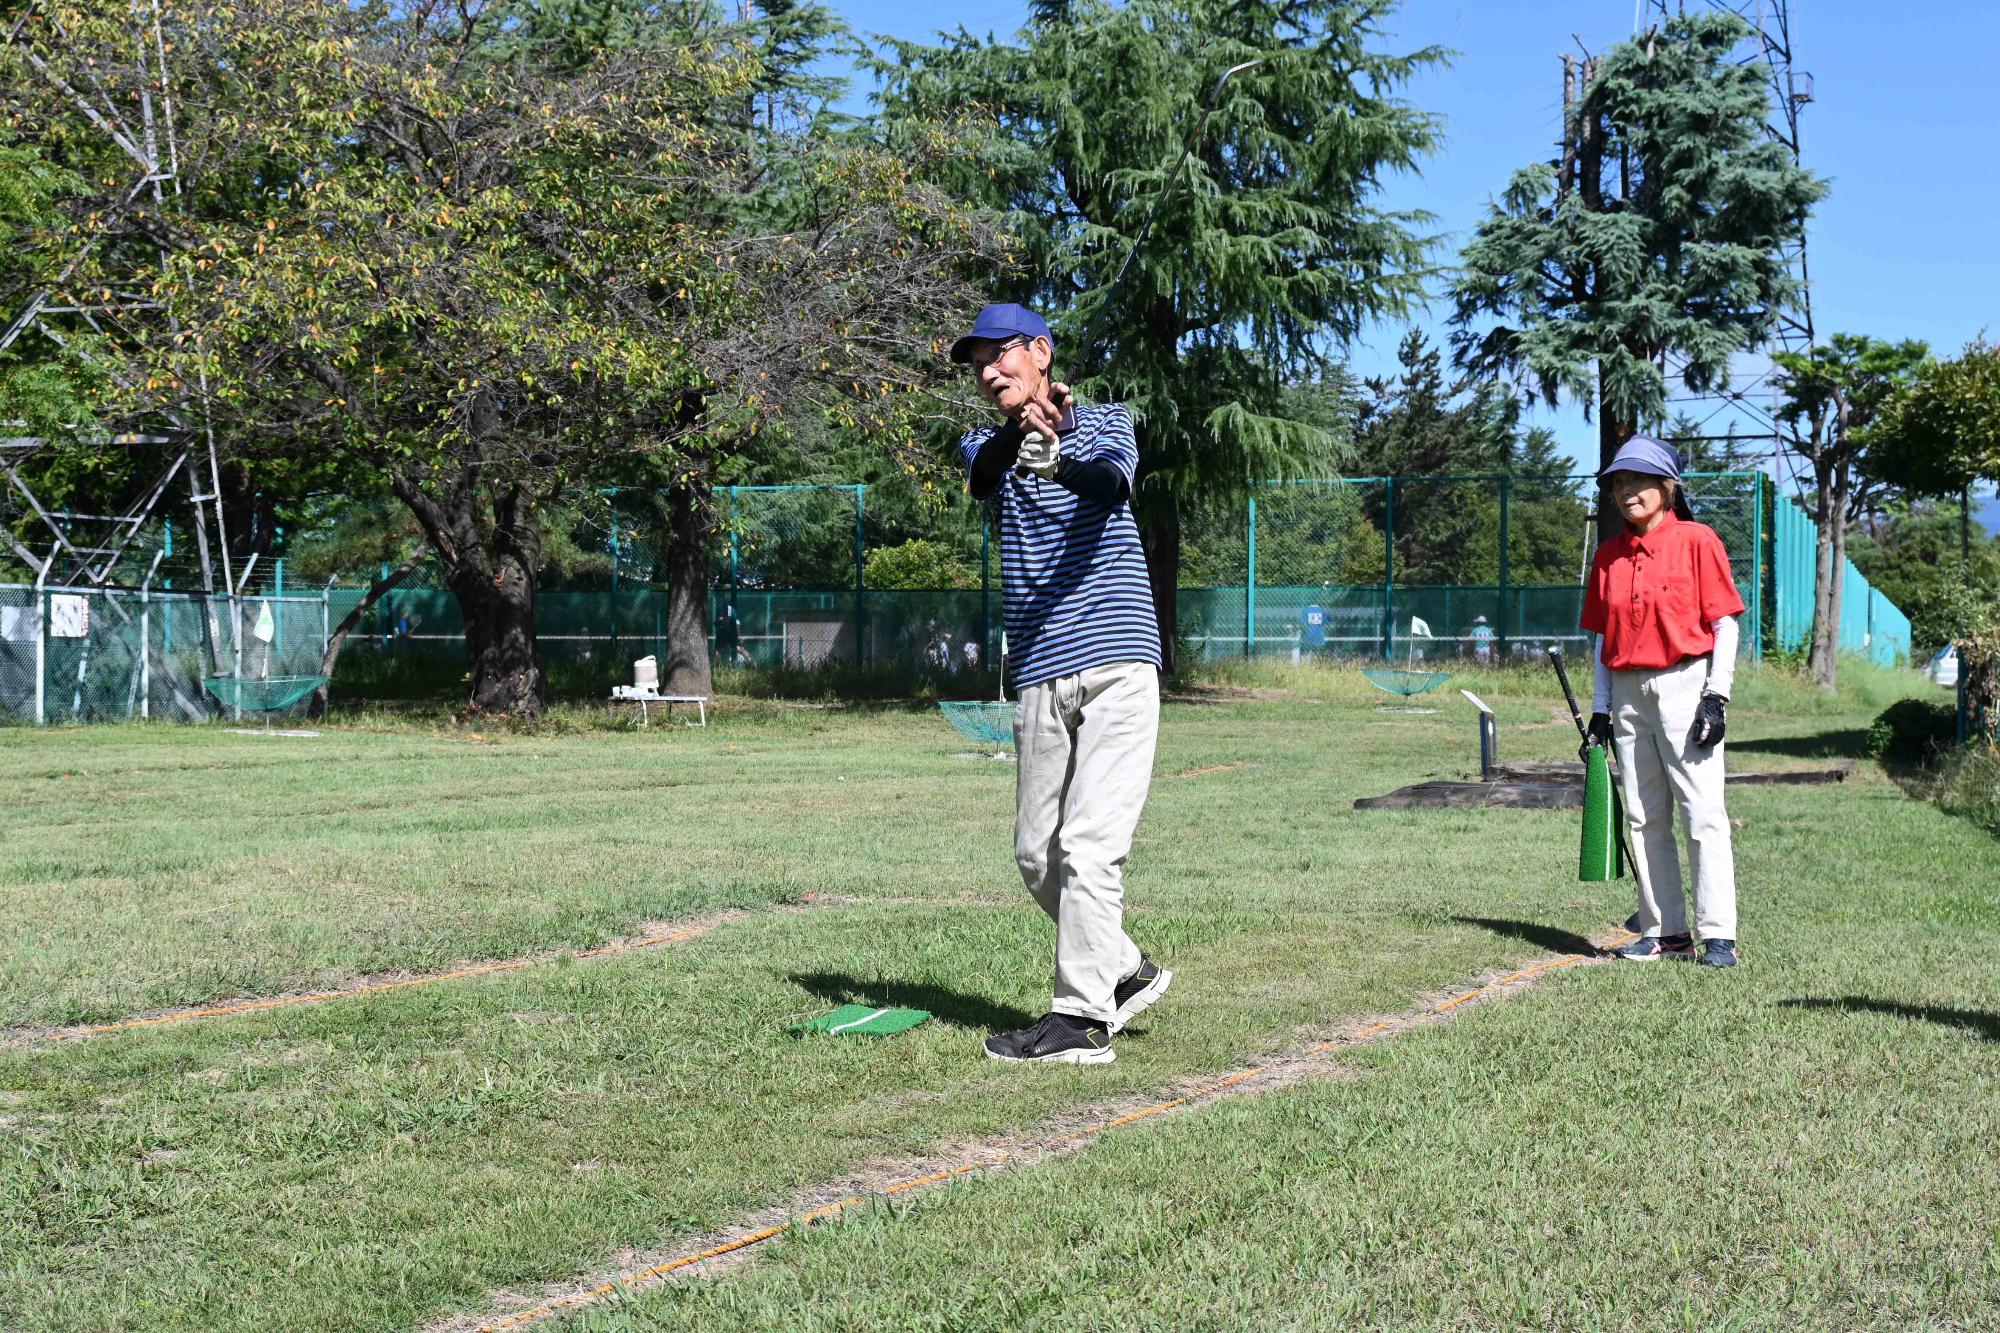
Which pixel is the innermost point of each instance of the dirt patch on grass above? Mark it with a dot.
(1227, 694)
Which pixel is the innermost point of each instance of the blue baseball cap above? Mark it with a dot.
(1643, 453)
(999, 322)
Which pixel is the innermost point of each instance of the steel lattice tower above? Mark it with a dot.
(1744, 415)
(129, 105)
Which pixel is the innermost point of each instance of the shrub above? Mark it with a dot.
(1910, 732)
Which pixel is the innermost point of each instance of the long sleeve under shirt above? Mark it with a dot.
(1072, 573)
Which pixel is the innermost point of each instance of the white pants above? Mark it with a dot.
(1659, 772)
(1085, 743)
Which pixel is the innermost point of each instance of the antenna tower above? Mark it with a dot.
(1743, 416)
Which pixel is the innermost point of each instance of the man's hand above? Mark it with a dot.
(1039, 454)
(1041, 422)
(1708, 722)
(1044, 414)
(1597, 733)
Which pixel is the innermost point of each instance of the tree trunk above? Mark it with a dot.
(1829, 508)
(1160, 535)
(490, 568)
(499, 611)
(1612, 432)
(690, 522)
(338, 639)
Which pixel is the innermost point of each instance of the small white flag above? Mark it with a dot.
(1418, 629)
(266, 628)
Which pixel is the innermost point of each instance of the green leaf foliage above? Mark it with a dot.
(1267, 255)
(1943, 435)
(1662, 234)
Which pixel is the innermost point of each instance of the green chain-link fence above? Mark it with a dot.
(804, 576)
(98, 655)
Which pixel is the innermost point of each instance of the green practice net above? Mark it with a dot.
(267, 694)
(1407, 684)
(983, 722)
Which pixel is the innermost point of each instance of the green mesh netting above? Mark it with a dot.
(983, 722)
(265, 695)
(1405, 683)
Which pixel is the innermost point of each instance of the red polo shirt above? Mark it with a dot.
(1656, 598)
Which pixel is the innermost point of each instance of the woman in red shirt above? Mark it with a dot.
(1664, 609)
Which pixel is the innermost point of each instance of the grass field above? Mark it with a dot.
(1811, 1141)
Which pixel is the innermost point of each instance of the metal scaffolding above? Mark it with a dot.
(127, 104)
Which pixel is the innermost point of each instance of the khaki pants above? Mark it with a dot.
(1085, 743)
(1660, 772)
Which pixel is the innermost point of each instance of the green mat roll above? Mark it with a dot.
(1603, 856)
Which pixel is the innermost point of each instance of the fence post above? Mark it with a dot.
(614, 576)
(1388, 567)
(41, 649)
(860, 604)
(985, 585)
(145, 650)
(1250, 585)
(1757, 573)
(1500, 635)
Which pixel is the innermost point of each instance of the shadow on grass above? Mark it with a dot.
(949, 1006)
(1542, 937)
(1848, 743)
(1980, 1021)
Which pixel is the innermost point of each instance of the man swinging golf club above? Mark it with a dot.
(1085, 658)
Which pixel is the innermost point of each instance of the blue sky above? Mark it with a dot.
(1904, 124)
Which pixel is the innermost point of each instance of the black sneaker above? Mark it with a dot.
(1135, 994)
(1056, 1038)
(1655, 947)
(1718, 953)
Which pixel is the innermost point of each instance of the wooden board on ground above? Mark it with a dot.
(1573, 772)
(1546, 787)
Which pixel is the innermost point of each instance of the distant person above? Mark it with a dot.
(1664, 608)
(1312, 630)
(1482, 640)
(971, 652)
(728, 636)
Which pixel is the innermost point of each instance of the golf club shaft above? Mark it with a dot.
(1562, 674)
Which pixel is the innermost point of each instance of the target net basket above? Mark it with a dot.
(267, 694)
(982, 721)
(1407, 684)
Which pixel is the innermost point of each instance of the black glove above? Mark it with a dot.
(1708, 721)
(1597, 733)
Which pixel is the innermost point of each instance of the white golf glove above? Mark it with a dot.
(1039, 454)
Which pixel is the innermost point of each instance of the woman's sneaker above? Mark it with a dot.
(1655, 947)
(1718, 953)
(1136, 993)
(1055, 1039)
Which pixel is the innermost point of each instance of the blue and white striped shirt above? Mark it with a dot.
(1072, 572)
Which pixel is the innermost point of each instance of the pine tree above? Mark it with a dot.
(1658, 233)
(1268, 255)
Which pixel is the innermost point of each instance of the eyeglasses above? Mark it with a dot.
(976, 362)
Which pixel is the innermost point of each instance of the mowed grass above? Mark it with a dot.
(374, 1163)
